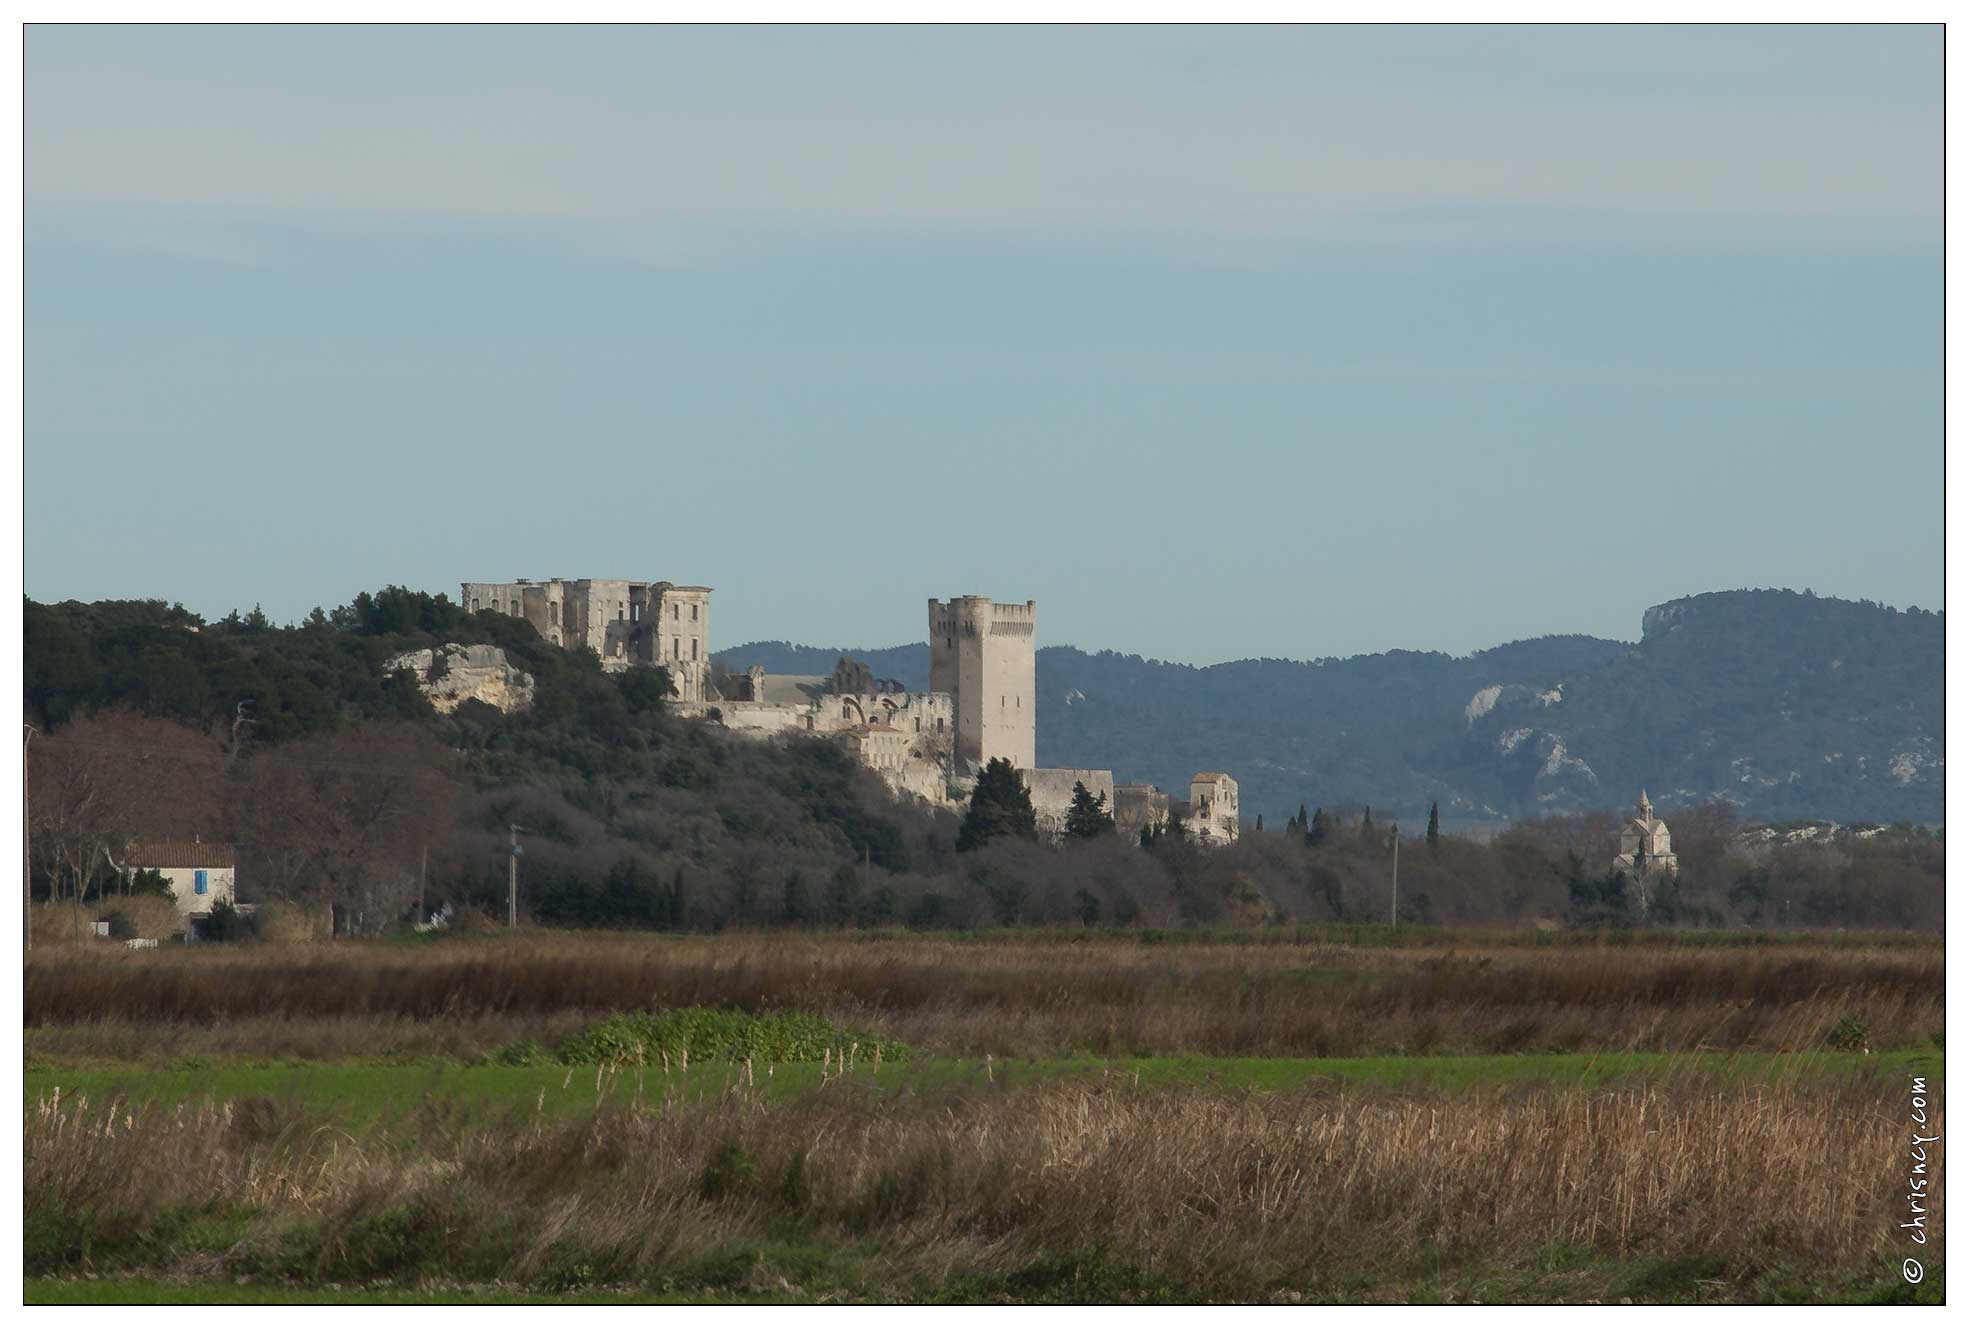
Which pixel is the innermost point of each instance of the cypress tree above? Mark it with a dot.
(1316, 831)
(1000, 805)
(1435, 825)
(1088, 818)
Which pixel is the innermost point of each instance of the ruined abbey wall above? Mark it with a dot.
(1052, 794)
(625, 623)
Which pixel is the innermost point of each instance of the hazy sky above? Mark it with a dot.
(1216, 342)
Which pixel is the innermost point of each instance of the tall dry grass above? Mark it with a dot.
(1083, 1189)
(59, 925)
(1108, 997)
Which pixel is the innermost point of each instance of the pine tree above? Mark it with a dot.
(1435, 826)
(1088, 817)
(1000, 805)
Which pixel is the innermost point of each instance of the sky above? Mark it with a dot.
(1216, 342)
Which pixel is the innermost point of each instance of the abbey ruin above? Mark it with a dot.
(624, 622)
(981, 703)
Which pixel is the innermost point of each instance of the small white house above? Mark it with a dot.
(200, 874)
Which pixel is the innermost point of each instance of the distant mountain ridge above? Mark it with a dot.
(1790, 704)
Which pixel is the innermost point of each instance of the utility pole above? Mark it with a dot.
(513, 879)
(1395, 879)
(27, 857)
(240, 720)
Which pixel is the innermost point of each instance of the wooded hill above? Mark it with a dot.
(341, 786)
(1789, 705)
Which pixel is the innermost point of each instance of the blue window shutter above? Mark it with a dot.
(198, 882)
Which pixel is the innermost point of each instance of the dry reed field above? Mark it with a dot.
(939, 1177)
(1107, 996)
(1092, 1190)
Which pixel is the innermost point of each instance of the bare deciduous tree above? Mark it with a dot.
(106, 780)
(340, 820)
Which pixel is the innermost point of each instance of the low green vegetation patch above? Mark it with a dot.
(696, 1033)
(353, 1095)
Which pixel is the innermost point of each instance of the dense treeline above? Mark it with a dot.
(344, 788)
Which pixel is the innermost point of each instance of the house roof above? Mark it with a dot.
(1208, 777)
(182, 854)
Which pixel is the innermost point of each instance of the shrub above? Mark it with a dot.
(732, 1168)
(470, 921)
(1853, 1033)
(224, 923)
(521, 1052)
(55, 924)
(152, 916)
(287, 925)
(777, 1036)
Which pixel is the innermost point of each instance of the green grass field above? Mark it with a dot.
(358, 1094)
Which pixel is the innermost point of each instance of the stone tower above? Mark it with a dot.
(981, 654)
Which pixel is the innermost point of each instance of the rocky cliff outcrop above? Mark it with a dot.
(455, 674)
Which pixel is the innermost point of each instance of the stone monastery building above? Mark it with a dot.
(624, 622)
(1644, 847)
(980, 706)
